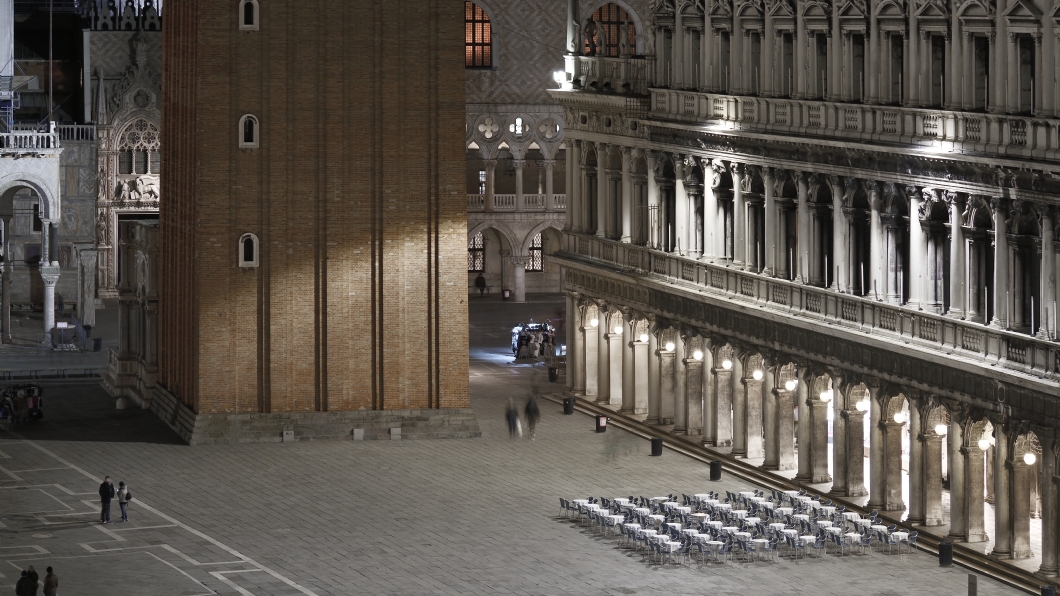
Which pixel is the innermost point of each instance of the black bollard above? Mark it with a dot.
(568, 405)
(601, 423)
(715, 470)
(656, 446)
(945, 554)
(1048, 590)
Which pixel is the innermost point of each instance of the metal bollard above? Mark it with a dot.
(945, 554)
(1048, 590)
(973, 585)
(715, 470)
(568, 405)
(656, 446)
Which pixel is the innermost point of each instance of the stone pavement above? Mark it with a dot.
(26, 357)
(478, 516)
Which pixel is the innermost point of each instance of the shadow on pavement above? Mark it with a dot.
(83, 411)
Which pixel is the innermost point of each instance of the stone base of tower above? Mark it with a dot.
(224, 429)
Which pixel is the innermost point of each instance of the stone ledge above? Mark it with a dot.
(225, 429)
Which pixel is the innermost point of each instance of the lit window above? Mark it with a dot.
(248, 132)
(475, 253)
(248, 250)
(613, 18)
(478, 38)
(481, 183)
(518, 127)
(535, 262)
(248, 15)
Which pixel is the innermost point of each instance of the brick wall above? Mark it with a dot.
(356, 193)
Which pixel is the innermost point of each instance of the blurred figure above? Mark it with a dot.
(513, 418)
(533, 413)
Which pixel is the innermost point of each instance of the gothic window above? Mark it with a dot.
(138, 149)
(612, 17)
(476, 254)
(248, 250)
(248, 132)
(248, 15)
(478, 37)
(535, 262)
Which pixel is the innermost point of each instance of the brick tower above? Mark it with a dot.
(314, 227)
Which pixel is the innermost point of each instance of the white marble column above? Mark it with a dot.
(573, 180)
(491, 168)
(1001, 264)
(616, 343)
(710, 212)
(655, 377)
(1049, 565)
(877, 244)
(653, 200)
(770, 454)
(803, 397)
(603, 367)
(840, 250)
(694, 389)
(602, 151)
(1002, 494)
(771, 240)
(575, 382)
(548, 165)
(519, 164)
(803, 234)
(519, 277)
(50, 275)
(892, 457)
(680, 206)
(591, 342)
(627, 196)
(641, 373)
(917, 250)
(628, 343)
(876, 460)
(739, 408)
(955, 459)
(678, 396)
(739, 215)
(1046, 312)
(958, 249)
(667, 377)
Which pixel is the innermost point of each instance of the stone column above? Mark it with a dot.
(519, 165)
(917, 251)
(653, 201)
(641, 377)
(1045, 313)
(491, 168)
(892, 445)
(805, 469)
(958, 248)
(616, 353)
(876, 460)
(667, 376)
(739, 218)
(574, 182)
(680, 207)
(855, 451)
(739, 408)
(803, 234)
(710, 212)
(548, 164)
(591, 342)
(1001, 258)
(5, 283)
(603, 359)
(840, 250)
(840, 397)
(602, 189)
(955, 457)
(574, 45)
(694, 391)
(722, 405)
(973, 495)
(627, 196)
(819, 436)
(753, 401)
(1049, 507)
(519, 276)
(770, 241)
(1002, 493)
(655, 377)
(50, 275)
(771, 456)
(1022, 480)
(785, 429)
(628, 344)
(917, 477)
(932, 445)
(575, 383)
(678, 395)
(1012, 78)
(877, 244)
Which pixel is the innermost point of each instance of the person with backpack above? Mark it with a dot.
(124, 496)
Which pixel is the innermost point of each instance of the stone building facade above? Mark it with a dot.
(841, 214)
(313, 221)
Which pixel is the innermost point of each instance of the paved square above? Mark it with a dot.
(474, 516)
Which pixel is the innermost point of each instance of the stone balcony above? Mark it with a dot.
(628, 74)
(936, 130)
(506, 203)
(21, 142)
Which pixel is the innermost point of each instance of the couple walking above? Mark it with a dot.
(29, 582)
(108, 493)
(533, 413)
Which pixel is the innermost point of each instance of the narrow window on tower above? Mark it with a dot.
(248, 132)
(248, 15)
(478, 37)
(248, 250)
(534, 261)
(475, 254)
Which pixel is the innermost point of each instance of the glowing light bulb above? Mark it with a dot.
(697, 355)
(644, 338)
(1029, 458)
(726, 364)
(757, 374)
(899, 417)
(984, 444)
(941, 429)
(825, 395)
(594, 323)
(791, 384)
(618, 329)
(862, 406)
(670, 346)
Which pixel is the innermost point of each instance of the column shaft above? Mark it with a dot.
(627, 197)
(917, 478)
(739, 214)
(694, 396)
(591, 344)
(958, 249)
(917, 252)
(1046, 314)
(739, 409)
(1049, 508)
(678, 396)
(769, 420)
(771, 240)
(1002, 494)
(876, 447)
(602, 190)
(615, 344)
(803, 235)
(654, 379)
(1001, 264)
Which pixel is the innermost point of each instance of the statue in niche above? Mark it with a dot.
(125, 193)
(623, 39)
(601, 39)
(590, 35)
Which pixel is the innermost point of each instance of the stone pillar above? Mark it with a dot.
(50, 275)
(5, 283)
(603, 361)
(876, 461)
(591, 340)
(1012, 78)
(840, 250)
(805, 469)
(667, 374)
(653, 201)
(973, 493)
(785, 429)
(1046, 314)
(678, 395)
(955, 457)
(753, 401)
(602, 189)
(917, 477)
(626, 343)
(1049, 507)
(641, 377)
(1001, 258)
(739, 408)
(694, 390)
(770, 247)
(491, 169)
(803, 235)
(771, 457)
(932, 452)
(1022, 480)
(575, 383)
(574, 45)
(655, 357)
(680, 207)
(1002, 494)
(548, 165)
(917, 250)
(819, 439)
(519, 277)
(855, 451)
(616, 353)
(710, 212)
(574, 183)
(958, 249)
(877, 288)
(840, 395)
(892, 446)
(739, 218)
(723, 385)
(627, 196)
(519, 201)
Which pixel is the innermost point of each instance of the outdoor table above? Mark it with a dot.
(581, 501)
(744, 535)
(751, 520)
(791, 493)
(785, 510)
(766, 503)
(824, 524)
(863, 522)
(880, 528)
(802, 516)
(700, 516)
(659, 499)
(621, 500)
(642, 511)
(658, 519)
(740, 513)
(667, 505)
(790, 532)
(808, 539)
(715, 546)
(725, 506)
(747, 494)
(777, 526)
(702, 496)
(835, 530)
(898, 537)
(714, 524)
(730, 529)
(853, 516)
(683, 509)
(853, 536)
(829, 510)
(673, 525)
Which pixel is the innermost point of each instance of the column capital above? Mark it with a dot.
(625, 151)
(548, 164)
(999, 205)
(50, 274)
(489, 163)
(519, 260)
(519, 163)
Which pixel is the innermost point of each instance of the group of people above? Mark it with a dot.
(107, 494)
(534, 343)
(29, 583)
(21, 404)
(533, 414)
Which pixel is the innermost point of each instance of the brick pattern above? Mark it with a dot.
(357, 195)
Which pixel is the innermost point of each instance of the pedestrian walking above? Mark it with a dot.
(124, 496)
(513, 419)
(34, 579)
(25, 587)
(106, 495)
(480, 283)
(51, 583)
(533, 414)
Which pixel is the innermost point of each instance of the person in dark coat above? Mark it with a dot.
(34, 579)
(533, 413)
(513, 418)
(480, 283)
(106, 494)
(25, 586)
